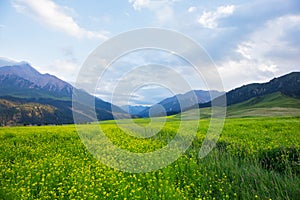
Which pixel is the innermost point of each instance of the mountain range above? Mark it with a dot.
(29, 97)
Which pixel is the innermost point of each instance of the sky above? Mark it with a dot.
(248, 41)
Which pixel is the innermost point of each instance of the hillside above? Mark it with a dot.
(29, 113)
(269, 101)
(276, 104)
(288, 84)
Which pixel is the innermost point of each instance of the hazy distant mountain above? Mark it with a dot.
(288, 85)
(172, 105)
(22, 88)
(134, 110)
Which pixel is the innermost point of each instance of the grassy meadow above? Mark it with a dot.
(255, 158)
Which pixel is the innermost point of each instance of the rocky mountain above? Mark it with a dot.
(27, 96)
(21, 79)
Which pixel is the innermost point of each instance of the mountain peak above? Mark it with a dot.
(7, 62)
(21, 69)
(22, 74)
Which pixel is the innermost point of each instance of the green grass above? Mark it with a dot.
(254, 158)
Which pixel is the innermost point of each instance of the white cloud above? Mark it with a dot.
(244, 49)
(192, 9)
(165, 14)
(139, 4)
(268, 68)
(235, 73)
(275, 35)
(162, 9)
(66, 70)
(267, 52)
(55, 16)
(210, 19)
(273, 41)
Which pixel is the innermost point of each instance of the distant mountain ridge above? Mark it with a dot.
(134, 110)
(172, 105)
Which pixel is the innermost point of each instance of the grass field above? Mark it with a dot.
(255, 157)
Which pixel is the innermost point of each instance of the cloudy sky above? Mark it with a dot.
(249, 41)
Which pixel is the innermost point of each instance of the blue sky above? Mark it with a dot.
(249, 41)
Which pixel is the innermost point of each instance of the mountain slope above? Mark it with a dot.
(276, 99)
(29, 113)
(172, 105)
(288, 84)
(21, 84)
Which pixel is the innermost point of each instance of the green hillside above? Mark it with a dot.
(269, 101)
(276, 104)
